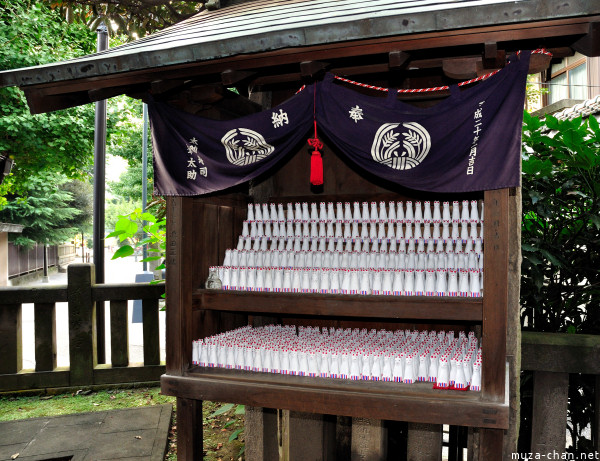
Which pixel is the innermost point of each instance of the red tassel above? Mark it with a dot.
(316, 161)
(316, 168)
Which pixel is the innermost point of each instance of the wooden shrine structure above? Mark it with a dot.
(266, 49)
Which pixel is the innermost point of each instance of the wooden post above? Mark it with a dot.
(307, 436)
(45, 336)
(82, 319)
(550, 401)
(150, 331)
(11, 342)
(369, 440)
(261, 434)
(424, 442)
(179, 284)
(343, 438)
(495, 295)
(513, 339)
(490, 444)
(189, 430)
(119, 334)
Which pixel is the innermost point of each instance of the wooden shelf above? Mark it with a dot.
(380, 400)
(384, 307)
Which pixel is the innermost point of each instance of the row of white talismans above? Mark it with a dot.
(401, 282)
(401, 356)
(422, 258)
(275, 234)
(420, 212)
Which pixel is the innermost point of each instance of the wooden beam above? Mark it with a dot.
(390, 307)
(39, 103)
(560, 352)
(493, 58)
(398, 60)
(538, 63)
(107, 93)
(163, 86)
(311, 69)
(364, 399)
(589, 44)
(230, 77)
(462, 68)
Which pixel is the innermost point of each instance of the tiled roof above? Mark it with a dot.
(268, 25)
(584, 109)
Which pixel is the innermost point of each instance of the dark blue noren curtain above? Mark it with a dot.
(470, 141)
(195, 155)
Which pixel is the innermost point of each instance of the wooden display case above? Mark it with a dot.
(201, 228)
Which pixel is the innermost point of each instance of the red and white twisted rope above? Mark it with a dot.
(435, 88)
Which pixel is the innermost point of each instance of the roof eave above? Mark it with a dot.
(101, 65)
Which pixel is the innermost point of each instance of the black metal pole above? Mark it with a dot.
(99, 194)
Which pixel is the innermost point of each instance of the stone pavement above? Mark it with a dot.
(133, 434)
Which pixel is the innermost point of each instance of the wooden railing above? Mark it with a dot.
(81, 294)
(551, 357)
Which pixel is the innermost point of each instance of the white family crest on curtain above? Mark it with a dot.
(241, 151)
(401, 154)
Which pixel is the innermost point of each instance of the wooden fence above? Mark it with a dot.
(81, 294)
(24, 261)
(551, 357)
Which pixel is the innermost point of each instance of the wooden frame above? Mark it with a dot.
(193, 310)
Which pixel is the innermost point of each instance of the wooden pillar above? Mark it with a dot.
(550, 400)
(3, 259)
(513, 334)
(495, 311)
(179, 284)
(82, 323)
(495, 295)
(490, 444)
(306, 436)
(189, 430)
(343, 438)
(261, 434)
(150, 331)
(424, 442)
(119, 334)
(369, 440)
(11, 344)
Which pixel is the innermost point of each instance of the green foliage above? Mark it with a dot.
(561, 225)
(47, 212)
(134, 18)
(560, 282)
(58, 142)
(82, 198)
(129, 186)
(126, 135)
(129, 229)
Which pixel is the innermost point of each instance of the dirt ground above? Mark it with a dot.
(223, 429)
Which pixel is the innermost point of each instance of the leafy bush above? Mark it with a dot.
(560, 246)
(561, 223)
